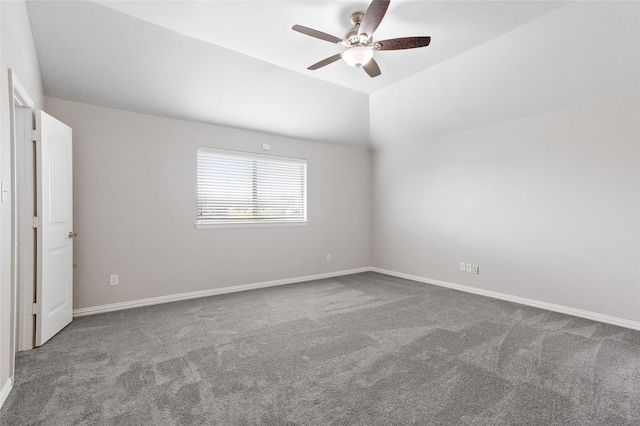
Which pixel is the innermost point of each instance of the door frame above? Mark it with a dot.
(22, 288)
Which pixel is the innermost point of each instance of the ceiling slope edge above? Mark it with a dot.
(92, 54)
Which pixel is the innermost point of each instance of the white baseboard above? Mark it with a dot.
(224, 290)
(523, 301)
(205, 293)
(6, 390)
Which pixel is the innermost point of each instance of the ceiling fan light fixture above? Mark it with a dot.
(357, 56)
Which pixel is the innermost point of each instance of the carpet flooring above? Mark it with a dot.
(363, 349)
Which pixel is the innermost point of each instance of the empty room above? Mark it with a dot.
(319, 212)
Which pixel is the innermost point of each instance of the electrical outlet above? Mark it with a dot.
(328, 257)
(468, 267)
(113, 279)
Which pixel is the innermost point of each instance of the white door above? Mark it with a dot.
(55, 228)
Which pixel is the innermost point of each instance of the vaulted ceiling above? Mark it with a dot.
(238, 63)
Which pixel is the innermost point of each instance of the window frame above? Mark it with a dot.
(251, 223)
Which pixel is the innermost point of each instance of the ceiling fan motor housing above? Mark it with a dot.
(352, 35)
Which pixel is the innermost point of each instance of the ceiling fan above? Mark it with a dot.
(359, 40)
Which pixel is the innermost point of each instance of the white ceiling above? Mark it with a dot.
(93, 54)
(582, 53)
(238, 63)
(262, 29)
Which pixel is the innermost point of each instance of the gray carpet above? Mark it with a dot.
(365, 349)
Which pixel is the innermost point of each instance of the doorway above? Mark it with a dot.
(41, 223)
(23, 199)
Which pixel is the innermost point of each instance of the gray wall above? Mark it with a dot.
(547, 206)
(17, 52)
(135, 207)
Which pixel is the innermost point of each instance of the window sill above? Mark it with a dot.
(249, 225)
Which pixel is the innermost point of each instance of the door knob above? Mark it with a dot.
(71, 234)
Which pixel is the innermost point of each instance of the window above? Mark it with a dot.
(243, 189)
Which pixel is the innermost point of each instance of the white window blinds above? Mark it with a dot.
(236, 188)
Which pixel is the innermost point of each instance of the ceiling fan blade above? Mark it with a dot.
(315, 33)
(324, 62)
(404, 43)
(372, 17)
(372, 68)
